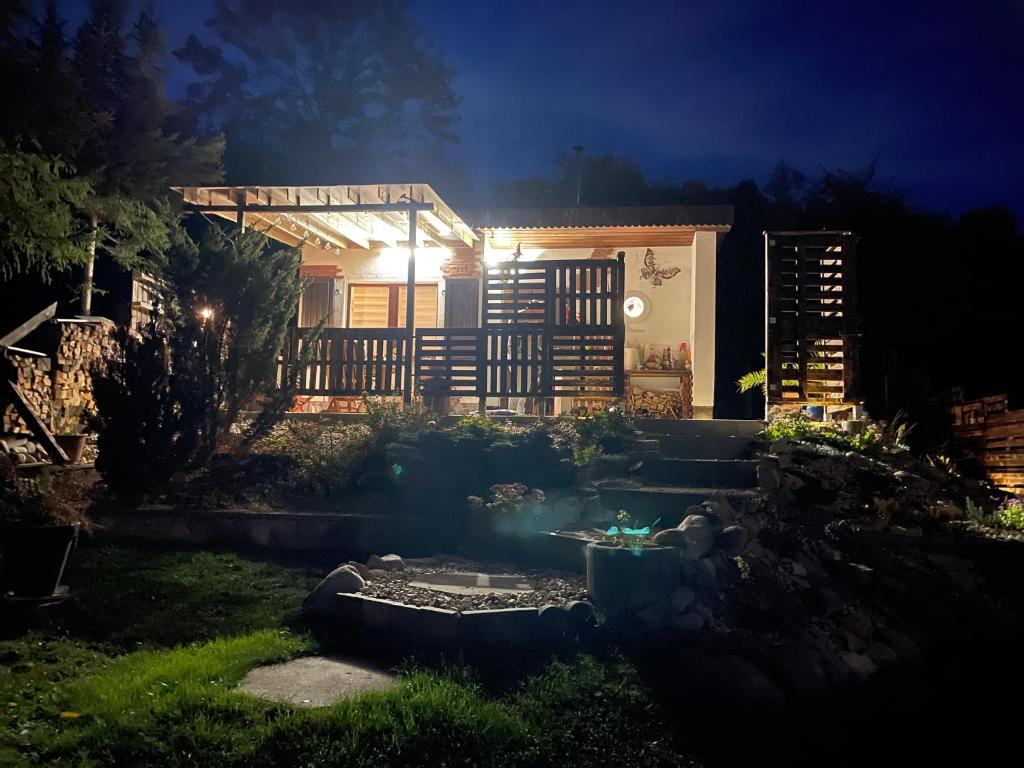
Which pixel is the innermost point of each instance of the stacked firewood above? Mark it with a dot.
(80, 348)
(61, 381)
(33, 377)
(658, 403)
(22, 450)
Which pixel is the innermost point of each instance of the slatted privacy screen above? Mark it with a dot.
(584, 362)
(447, 360)
(514, 361)
(556, 293)
(516, 293)
(812, 322)
(346, 361)
(992, 438)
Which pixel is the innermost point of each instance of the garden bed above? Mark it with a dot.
(458, 584)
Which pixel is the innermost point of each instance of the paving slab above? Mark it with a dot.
(315, 681)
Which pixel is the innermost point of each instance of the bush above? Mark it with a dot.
(799, 428)
(328, 457)
(1011, 515)
(165, 406)
(47, 499)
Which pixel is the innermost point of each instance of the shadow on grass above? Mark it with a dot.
(132, 596)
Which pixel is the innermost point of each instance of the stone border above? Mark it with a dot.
(388, 625)
(280, 530)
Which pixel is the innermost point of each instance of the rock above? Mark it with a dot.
(564, 512)
(581, 613)
(393, 563)
(860, 665)
(912, 532)
(799, 570)
(361, 569)
(555, 622)
(881, 654)
(859, 623)
(719, 506)
(377, 573)
(671, 537)
(375, 563)
(682, 599)
(686, 622)
(705, 577)
(699, 535)
(653, 616)
(344, 579)
(768, 476)
(733, 539)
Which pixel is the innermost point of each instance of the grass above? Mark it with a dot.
(141, 668)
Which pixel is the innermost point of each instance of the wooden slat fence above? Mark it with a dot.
(812, 322)
(550, 328)
(992, 436)
(347, 361)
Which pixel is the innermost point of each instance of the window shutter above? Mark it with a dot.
(460, 303)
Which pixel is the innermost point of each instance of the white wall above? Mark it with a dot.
(381, 265)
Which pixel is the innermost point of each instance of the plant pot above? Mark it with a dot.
(35, 557)
(622, 580)
(72, 445)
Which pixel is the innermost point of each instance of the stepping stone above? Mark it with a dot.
(314, 681)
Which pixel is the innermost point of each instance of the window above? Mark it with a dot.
(321, 301)
(382, 305)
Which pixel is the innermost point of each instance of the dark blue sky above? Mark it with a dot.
(722, 90)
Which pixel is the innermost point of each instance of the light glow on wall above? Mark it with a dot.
(428, 258)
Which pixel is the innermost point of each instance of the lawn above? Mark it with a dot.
(139, 668)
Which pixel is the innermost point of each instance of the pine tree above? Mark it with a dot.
(310, 92)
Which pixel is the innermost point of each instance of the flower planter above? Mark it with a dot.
(72, 445)
(622, 580)
(35, 557)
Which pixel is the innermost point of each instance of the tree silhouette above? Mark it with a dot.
(322, 92)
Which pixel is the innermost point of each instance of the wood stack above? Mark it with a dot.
(81, 347)
(60, 380)
(659, 403)
(32, 375)
(23, 450)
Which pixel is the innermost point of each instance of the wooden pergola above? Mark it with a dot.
(342, 217)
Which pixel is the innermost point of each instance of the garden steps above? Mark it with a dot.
(701, 446)
(648, 503)
(704, 472)
(746, 428)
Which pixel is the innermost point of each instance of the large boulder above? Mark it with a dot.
(343, 579)
(699, 535)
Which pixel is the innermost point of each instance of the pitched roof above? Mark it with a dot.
(710, 216)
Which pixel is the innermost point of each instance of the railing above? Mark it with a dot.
(550, 329)
(346, 361)
(992, 436)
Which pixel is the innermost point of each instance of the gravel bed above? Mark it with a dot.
(549, 586)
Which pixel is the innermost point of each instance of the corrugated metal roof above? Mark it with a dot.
(713, 216)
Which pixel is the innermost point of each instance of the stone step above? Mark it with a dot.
(667, 504)
(701, 473)
(704, 446)
(748, 428)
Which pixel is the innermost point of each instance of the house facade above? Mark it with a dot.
(529, 310)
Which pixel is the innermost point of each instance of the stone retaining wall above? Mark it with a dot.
(287, 531)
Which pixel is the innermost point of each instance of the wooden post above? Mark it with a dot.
(619, 325)
(410, 309)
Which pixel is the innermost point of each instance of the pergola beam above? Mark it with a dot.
(314, 208)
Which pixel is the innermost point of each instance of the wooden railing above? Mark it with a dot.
(346, 361)
(550, 329)
(992, 436)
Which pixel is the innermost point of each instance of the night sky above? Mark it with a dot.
(723, 90)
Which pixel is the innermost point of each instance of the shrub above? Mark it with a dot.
(47, 499)
(328, 458)
(1011, 515)
(608, 423)
(799, 428)
(176, 391)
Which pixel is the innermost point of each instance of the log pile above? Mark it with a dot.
(60, 382)
(659, 403)
(23, 450)
(80, 348)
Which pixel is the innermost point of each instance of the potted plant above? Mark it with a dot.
(68, 426)
(627, 571)
(512, 510)
(40, 519)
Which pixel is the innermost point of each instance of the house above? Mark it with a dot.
(535, 310)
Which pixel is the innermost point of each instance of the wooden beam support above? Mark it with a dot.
(28, 326)
(410, 308)
(39, 430)
(314, 208)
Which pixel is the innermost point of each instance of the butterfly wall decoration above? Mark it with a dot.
(651, 271)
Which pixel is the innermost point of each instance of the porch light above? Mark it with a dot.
(205, 313)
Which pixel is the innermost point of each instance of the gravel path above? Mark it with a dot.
(549, 586)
